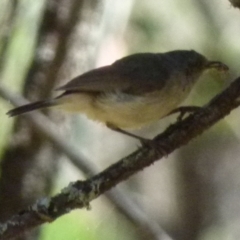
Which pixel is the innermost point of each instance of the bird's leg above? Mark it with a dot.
(117, 129)
(183, 110)
(145, 142)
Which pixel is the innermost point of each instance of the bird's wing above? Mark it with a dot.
(135, 74)
(97, 80)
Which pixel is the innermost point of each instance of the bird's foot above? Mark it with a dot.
(183, 111)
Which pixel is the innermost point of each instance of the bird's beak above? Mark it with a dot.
(217, 65)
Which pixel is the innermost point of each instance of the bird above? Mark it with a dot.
(133, 92)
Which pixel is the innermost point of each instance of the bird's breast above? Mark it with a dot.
(129, 111)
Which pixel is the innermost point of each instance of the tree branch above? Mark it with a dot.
(117, 197)
(80, 193)
(235, 3)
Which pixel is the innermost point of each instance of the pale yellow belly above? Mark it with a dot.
(137, 112)
(124, 111)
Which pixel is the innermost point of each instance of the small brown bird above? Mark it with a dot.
(132, 92)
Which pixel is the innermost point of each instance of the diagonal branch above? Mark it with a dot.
(80, 193)
(137, 216)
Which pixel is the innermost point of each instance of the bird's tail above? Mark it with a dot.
(31, 107)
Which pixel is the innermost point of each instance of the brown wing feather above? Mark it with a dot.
(135, 74)
(97, 80)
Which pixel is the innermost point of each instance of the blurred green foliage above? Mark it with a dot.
(84, 225)
(18, 55)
